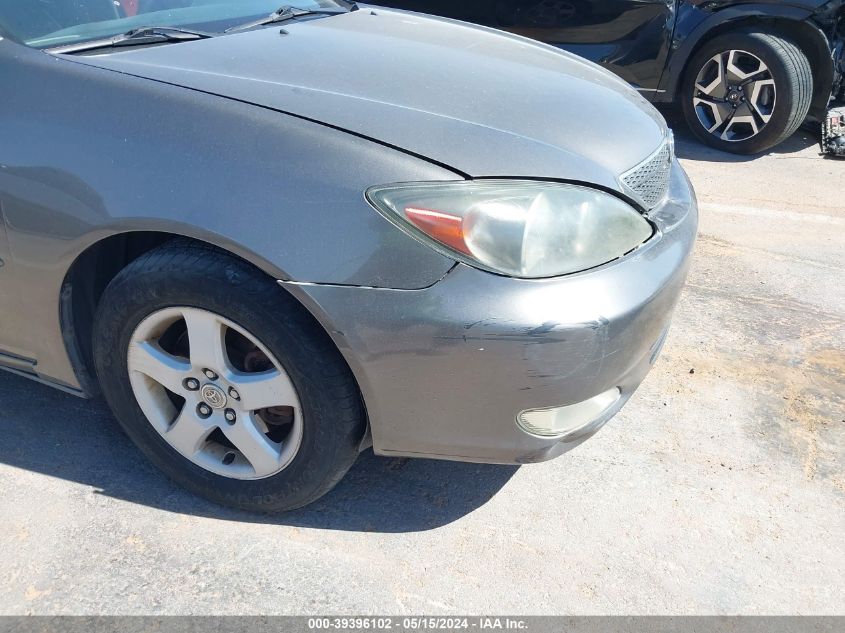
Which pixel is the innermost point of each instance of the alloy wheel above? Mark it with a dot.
(215, 393)
(734, 96)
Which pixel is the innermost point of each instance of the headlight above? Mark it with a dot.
(517, 228)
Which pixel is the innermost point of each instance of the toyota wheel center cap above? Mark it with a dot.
(213, 396)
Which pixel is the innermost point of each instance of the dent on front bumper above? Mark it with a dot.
(445, 370)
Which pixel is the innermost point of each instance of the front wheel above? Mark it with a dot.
(224, 381)
(746, 92)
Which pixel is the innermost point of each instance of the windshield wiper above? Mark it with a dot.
(284, 13)
(135, 37)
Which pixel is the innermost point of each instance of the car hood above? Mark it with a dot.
(479, 101)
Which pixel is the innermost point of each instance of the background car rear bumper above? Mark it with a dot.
(445, 370)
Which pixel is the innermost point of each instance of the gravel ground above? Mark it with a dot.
(718, 489)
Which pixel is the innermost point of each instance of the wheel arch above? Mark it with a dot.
(784, 21)
(93, 269)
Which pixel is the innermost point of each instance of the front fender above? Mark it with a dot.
(88, 152)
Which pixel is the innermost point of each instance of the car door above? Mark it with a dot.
(630, 37)
(478, 11)
(31, 196)
(14, 351)
(11, 354)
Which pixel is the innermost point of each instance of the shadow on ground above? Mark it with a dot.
(59, 435)
(689, 147)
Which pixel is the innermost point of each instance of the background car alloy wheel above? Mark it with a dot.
(735, 95)
(208, 406)
(224, 380)
(746, 92)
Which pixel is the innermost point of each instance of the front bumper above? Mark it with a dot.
(444, 371)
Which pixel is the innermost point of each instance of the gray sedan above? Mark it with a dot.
(271, 237)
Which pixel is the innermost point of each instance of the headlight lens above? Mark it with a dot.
(518, 228)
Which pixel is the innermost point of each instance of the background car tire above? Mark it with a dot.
(793, 81)
(187, 274)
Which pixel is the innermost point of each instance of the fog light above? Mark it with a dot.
(560, 421)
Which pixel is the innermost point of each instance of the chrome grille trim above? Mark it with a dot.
(648, 181)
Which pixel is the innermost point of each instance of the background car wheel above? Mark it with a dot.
(224, 381)
(746, 92)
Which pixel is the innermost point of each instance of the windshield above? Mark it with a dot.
(48, 23)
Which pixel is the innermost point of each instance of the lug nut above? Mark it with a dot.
(229, 414)
(203, 410)
(233, 393)
(191, 384)
(209, 374)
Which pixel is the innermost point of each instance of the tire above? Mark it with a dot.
(786, 102)
(197, 279)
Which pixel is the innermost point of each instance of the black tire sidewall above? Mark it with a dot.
(331, 429)
(774, 130)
